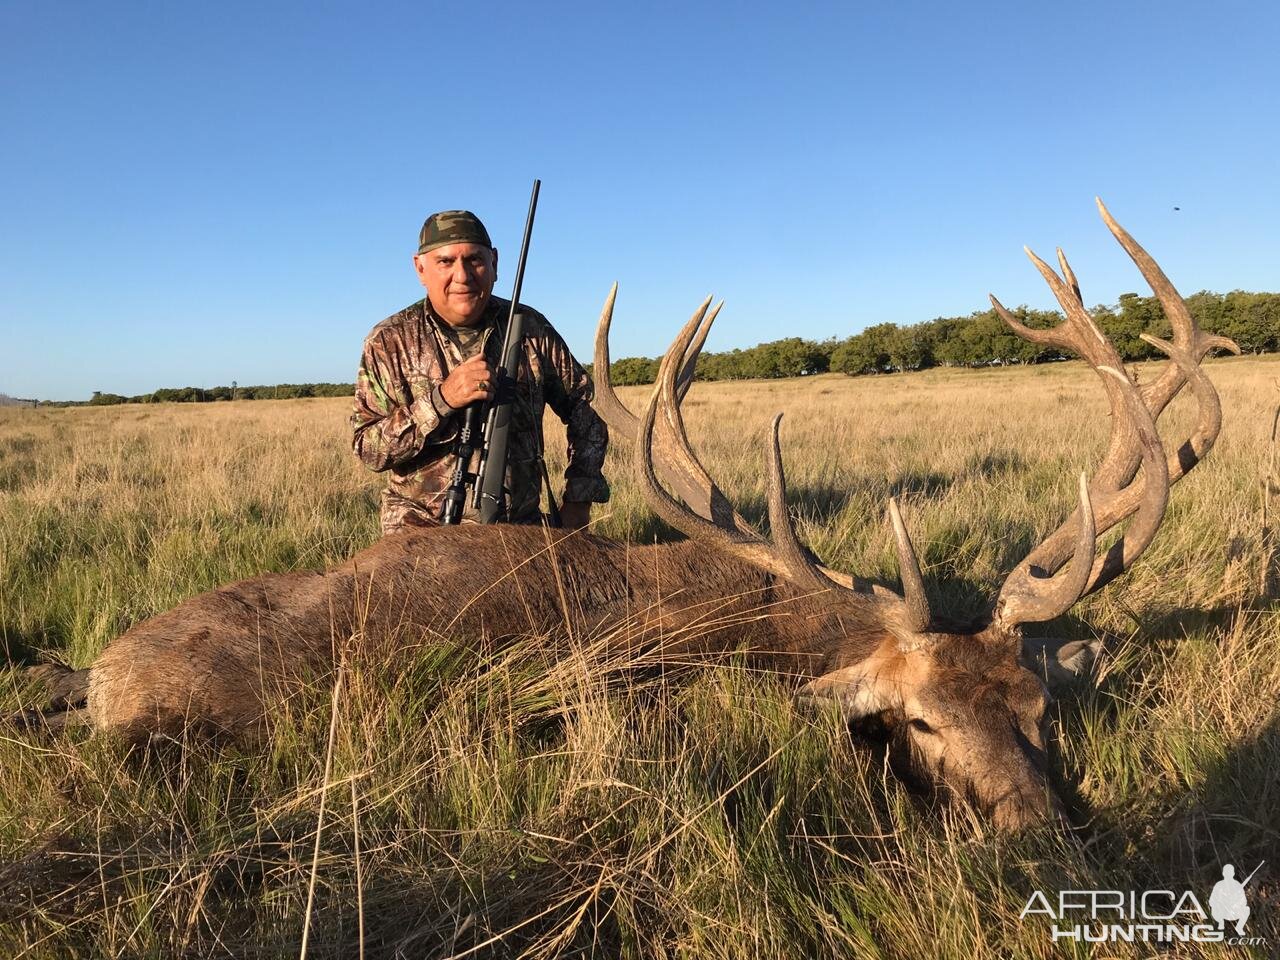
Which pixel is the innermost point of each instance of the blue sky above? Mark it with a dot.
(194, 194)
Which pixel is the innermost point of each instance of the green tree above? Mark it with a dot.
(865, 352)
(1251, 320)
(1137, 315)
(948, 347)
(1207, 309)
(910, 348)
(630, 371)
(791, 357)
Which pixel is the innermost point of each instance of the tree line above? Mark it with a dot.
(278, 391)
(979, 339)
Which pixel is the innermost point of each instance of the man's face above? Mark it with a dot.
(458, 279)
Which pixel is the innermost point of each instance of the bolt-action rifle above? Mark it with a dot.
(486, 427)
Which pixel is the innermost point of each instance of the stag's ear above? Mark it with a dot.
(1059, 663)
(861, 690)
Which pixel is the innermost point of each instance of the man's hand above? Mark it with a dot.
(470, 381)
(575, 515)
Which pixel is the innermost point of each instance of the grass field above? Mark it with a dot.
(490, 809)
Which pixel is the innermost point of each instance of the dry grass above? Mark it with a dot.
(515, 807)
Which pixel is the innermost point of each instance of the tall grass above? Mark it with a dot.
(542, 801)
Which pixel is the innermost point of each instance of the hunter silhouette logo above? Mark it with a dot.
(1149, 916)
(1227, 902)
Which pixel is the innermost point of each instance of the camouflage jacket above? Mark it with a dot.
(397, 427)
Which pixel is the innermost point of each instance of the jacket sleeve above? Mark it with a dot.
(569, 392)
(392, 420)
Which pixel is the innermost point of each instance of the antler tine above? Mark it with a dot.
(1208, 422)
(685, 380)
(799, 561)
(1192, 345)
(913, 592)
(1067, 292)
(1050, 338)
(1185, 332)
(705, 496)
(1069, 275)
(746, 545)
(1021, 602)
(802, 568)
(785, 556)
(1068, 298)
(675, 513)
(1080, 334)
(621, 421)
(690, 484)
(1186, 335)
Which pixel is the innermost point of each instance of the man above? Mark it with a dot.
(425, 364)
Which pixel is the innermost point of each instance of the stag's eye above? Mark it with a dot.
(919, 726)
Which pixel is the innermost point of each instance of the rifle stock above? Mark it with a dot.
(491, 492)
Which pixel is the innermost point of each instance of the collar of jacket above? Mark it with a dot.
(494, 311)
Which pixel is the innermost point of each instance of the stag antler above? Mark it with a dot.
(705, 512)
(1057, 573)
(1032, 592)
(678, 468)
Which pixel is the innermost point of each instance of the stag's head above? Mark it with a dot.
(963, 712)
(968, 708)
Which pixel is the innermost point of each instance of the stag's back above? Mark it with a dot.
(220, 659)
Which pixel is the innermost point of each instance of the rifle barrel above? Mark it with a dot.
(491, 474)
(524, 251)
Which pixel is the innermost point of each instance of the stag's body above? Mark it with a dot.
(221, 659)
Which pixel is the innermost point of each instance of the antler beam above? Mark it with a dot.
(1032, 593)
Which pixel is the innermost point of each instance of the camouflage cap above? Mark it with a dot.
(452, 226)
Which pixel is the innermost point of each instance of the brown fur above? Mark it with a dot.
(219, 659)
(966, 711)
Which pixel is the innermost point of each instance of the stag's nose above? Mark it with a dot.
(1022, 810)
